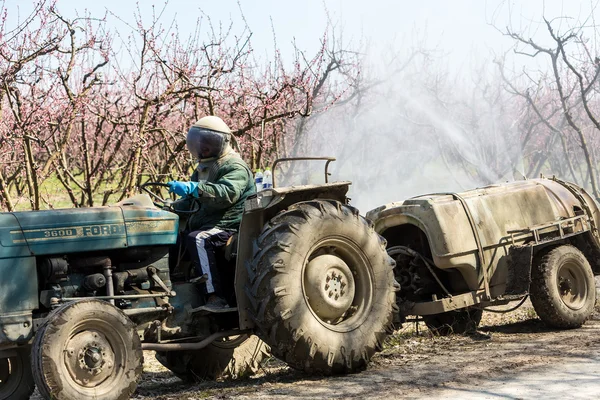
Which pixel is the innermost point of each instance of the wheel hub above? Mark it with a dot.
(572, 286)
(329, 286)
(92, 357)
(89, 358)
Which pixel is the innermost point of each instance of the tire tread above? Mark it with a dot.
(543, 297)
(298, 347)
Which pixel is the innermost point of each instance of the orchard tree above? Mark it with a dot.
(564, 98)
(94, 111)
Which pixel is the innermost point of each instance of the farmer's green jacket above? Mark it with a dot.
(228, 183)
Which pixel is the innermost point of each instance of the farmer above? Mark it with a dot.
(220, 184)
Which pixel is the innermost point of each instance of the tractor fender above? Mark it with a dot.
(258, 211)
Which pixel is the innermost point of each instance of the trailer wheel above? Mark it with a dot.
(322, 288)
(16, 380)
(87, 349)
(233, 357)
(457, 322)
(562, 287)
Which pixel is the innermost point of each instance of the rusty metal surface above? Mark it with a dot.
(448, 304)
(18, 297)
(519, 270)
(271, 197)
(16, 327)
(193, 346)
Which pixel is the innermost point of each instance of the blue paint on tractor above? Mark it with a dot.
(84, 230)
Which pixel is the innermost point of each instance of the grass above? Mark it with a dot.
(55, 196)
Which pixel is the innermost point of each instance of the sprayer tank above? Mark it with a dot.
(492, 218)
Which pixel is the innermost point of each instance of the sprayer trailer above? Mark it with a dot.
(84, 291)
(457, 253)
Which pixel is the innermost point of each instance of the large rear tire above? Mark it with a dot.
(562, 287)
(322, 288)
(234, 357)
(16, 380)
(87, 349)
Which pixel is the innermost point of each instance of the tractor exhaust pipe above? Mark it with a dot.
(193, 346)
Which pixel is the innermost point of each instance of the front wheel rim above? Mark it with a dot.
(93, 354)
(572, 285)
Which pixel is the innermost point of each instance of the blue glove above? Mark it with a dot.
(183, 188)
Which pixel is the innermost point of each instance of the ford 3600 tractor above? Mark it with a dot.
(84, 291)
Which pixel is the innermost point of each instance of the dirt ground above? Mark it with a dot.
(513, 355)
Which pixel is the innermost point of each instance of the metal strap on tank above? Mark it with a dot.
(475, 231)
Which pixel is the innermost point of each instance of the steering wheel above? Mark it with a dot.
(170, 204)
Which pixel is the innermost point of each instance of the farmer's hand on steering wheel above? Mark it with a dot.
(183, 188)
(174, 205)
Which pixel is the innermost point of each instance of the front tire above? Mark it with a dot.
(16, 380)
(234, 357)
(562, 287)
(87, 349)
(322, 288)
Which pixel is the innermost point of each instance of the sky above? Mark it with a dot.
(462, 28)
(464, 31)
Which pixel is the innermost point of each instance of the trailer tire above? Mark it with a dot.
(562, 287)
(232, 358)
(87, 349)
(458, 322)
(16, 379)
(321, 288)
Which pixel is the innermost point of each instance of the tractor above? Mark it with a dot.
(83, 292)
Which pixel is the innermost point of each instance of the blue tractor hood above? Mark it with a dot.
(132, 223)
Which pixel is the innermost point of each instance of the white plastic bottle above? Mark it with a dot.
(258, 180)
(267, 179)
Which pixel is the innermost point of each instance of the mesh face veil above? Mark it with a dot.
(205, 143)
(208, 138)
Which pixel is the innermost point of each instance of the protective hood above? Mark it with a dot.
(205, 144)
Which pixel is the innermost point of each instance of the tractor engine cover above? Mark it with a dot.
(44, 246)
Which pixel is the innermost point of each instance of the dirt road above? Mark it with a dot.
(513, 356)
